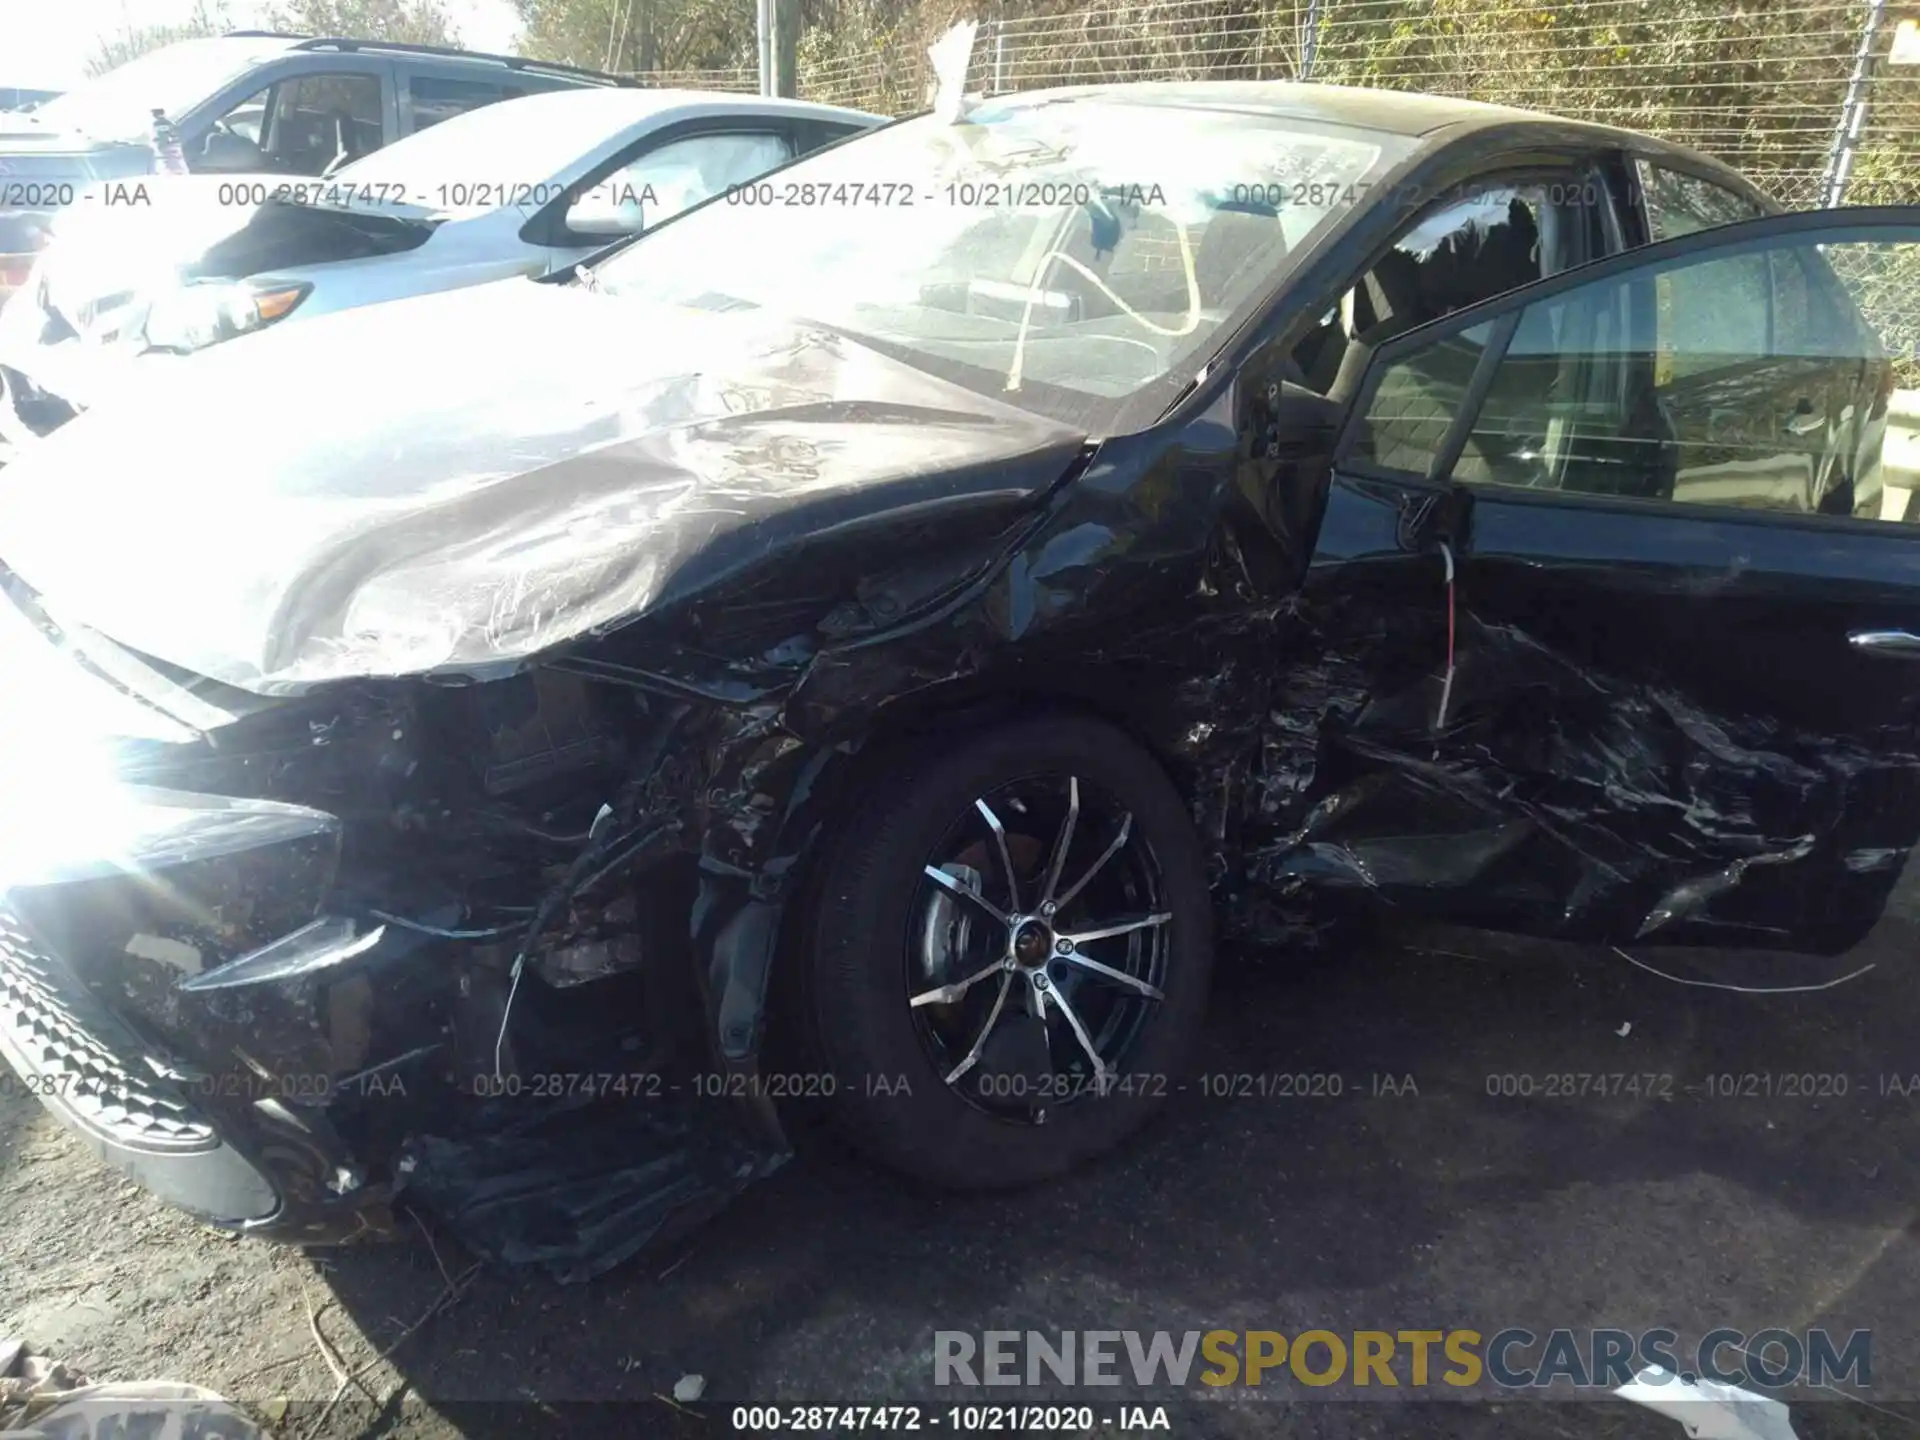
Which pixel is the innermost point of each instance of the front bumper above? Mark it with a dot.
(221, 1101)
(232, 1149)
(104, 1084)
(278, 1018)
(194, 1012)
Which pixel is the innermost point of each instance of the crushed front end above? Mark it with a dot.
(288, 961)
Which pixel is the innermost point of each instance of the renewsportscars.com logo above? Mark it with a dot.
(1510, 1359)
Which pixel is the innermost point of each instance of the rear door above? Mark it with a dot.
(1681, 696)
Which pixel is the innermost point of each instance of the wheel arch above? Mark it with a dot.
(950, 708)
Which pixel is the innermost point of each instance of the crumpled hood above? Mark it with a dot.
(461, 481)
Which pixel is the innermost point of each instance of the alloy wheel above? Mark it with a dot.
(1037, 947)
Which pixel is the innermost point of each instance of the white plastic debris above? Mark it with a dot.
(689, 1388)
(1709, 1410)
(43, 1399)
(951, 54)
(1626, 1029)
(29, 1379)
(157, 1409)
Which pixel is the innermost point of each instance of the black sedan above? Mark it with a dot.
(854, 649)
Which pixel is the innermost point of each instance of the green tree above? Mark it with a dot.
(413, 22)
(640, 35)
(132, 41)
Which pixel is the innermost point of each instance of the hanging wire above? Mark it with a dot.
(1744, 989)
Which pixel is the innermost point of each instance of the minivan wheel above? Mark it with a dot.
(1010, 953)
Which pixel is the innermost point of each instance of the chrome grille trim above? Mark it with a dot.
(81, 1060)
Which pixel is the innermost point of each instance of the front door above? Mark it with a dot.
(1680, 701)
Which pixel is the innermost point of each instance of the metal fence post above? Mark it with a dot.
(1853, 114)
(786, 48)
(999, 56)
(763, 24)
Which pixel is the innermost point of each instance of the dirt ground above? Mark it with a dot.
(1442, 1208)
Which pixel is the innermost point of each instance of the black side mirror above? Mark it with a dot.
(1294, 423)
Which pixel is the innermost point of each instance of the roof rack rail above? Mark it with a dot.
(512, 62)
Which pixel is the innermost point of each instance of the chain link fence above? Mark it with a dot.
(737, 80)
(1764, 86)
(1770, 86)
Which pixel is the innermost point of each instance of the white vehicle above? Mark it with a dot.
(161, 266)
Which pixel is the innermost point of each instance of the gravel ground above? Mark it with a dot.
(1450, 1207)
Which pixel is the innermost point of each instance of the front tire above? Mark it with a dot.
(1010, 952)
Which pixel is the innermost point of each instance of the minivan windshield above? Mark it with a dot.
(1063, 254)
(119, 105)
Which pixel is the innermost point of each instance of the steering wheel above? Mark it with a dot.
(222, 136)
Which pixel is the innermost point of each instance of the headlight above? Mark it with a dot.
(192, 317)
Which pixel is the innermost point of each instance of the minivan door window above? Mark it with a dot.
(231, 144)
(433, 98)
(318, 119)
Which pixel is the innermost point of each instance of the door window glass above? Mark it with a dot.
(1482, 244)
(1679, 204)
(674, 177)
(318, 119)
(1414, 404)
(1712, 315)
(1701, 381)
(232, 143)
(433, 98)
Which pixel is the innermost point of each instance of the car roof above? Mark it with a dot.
(422, 55)
(1397, 112)
(249, 47)
(1430, 120)
(625, 106)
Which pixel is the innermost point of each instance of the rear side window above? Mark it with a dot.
(676, 176)
(682, 173)
(433, 98)
(812, 137)
(1679, 204)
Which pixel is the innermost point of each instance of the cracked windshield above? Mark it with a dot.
(1059, 255)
